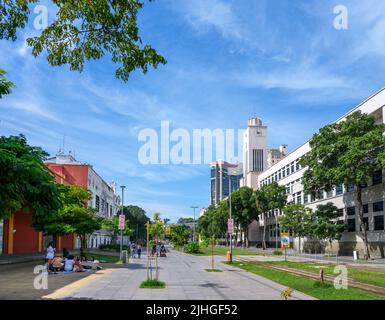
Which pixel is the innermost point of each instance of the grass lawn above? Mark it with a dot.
(102, 258)
(221, 251)
(308, 286)
(152, 284)
(365, 276)
(213, 270)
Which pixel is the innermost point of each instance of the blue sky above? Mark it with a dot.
(228, 60)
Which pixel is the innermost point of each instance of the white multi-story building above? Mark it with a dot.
(104, 195)
(288, 172)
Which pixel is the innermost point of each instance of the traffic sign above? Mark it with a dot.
(122, 220)
(230, 226)
(285, 240)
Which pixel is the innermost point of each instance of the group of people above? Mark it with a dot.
(67, 262)
(136, 250)
(159, 250)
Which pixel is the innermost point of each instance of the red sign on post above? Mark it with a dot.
(230, 225)
(122, 220)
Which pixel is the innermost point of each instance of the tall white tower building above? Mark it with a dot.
(254, 152)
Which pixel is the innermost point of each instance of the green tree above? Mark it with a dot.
(5, 85)
(348, 152)
(112, 224)
(179, 235)
(74, 216)
(25, 181)
(298, 220)
(243, 209)
(185, 220)
(325, 224)
(85, 30)
(157, 232)
(269, 197)
(210, 227)
(137, 220)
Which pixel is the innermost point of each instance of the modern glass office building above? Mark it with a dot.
(224, 177)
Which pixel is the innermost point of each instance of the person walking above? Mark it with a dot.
(139, 250)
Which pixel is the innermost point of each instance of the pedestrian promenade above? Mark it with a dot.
(185, 279)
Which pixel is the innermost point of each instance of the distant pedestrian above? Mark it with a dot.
(139, 250)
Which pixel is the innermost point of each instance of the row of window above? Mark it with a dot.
(305, 199)
(378, 224)
(103, 206)
(295, 166)
(282, 173)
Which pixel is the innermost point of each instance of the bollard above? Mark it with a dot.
(228, 256)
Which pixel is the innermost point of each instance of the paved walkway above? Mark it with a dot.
(185, 279)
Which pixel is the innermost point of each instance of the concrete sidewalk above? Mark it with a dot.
(185, 279)
(21, 258)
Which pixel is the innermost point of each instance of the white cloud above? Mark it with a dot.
(203, 15)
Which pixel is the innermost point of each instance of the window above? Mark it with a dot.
(292, 167)
(365, 208)
(297, 165)
(97, 203)
(366, 223)
(379, 223)
(305, 198)
(351, 211)
(320, 195)
(351, 225)
(377, 177)
(378, 206)
(339, 189)
(329, 194)
(299, 198)
(340, 212)
(288, 171)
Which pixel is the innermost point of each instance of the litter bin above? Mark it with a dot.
(124, 256)
(355, 255)
(228, 256)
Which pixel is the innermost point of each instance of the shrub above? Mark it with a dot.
(277, 253)
(192, 247)
(113, 247)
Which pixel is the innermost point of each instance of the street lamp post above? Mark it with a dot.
(121, 231)
(194, 207)
(231, 234)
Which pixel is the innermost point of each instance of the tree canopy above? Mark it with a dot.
(25, 181)
(5, 85)
(85, 30)
(348, 152)
(136, 218)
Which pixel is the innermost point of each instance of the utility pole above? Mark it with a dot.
(194, 207)
(121, 231)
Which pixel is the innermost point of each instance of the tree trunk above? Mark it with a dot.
(299, 244)
(264, 232)
(247, 237)
(361, 222)
(236, 238)
(82, 245)
(212, 254)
